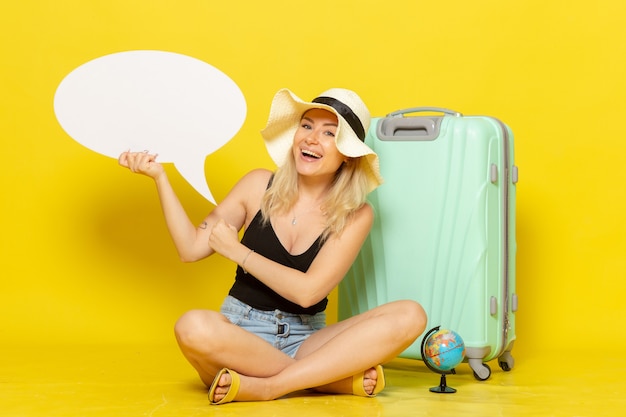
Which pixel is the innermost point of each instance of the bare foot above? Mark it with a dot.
(246, 388)
(344, 386)
(370, 377)
(223, 386)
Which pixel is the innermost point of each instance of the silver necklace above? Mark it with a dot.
(294, 220)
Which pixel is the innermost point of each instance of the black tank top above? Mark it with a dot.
(263, 240)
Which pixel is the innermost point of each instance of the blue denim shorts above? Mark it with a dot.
(284, 331)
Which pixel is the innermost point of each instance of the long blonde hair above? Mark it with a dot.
(347, 194)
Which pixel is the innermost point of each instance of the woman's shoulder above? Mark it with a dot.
(259, 176)
(365, 212)
(361, 218)
(247, 192)
(253, 183)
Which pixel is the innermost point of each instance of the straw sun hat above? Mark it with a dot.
(354, 119)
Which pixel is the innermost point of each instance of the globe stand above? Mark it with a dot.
(443, 387)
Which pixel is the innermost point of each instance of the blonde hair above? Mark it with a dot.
(347, 194)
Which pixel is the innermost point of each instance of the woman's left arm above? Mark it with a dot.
(303, 288)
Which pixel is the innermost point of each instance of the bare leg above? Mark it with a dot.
(331, 356)
(210, 342)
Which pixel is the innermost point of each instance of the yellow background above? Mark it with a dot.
(85, 257)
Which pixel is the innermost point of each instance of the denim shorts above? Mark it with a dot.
(284, 331)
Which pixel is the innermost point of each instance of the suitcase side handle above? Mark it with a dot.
(401, 113)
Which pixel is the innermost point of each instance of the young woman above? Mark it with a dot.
(304, 225)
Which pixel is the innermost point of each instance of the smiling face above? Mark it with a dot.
(314, 149)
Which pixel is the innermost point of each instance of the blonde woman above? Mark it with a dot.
(303, 227)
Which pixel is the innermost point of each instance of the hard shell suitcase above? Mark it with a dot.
(444, 229)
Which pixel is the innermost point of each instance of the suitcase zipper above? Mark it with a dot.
(506, 208)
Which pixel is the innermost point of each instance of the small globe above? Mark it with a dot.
(444, 350)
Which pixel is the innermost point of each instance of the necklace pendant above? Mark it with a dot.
(293, 221)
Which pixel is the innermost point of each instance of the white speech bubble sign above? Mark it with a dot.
(174, 105)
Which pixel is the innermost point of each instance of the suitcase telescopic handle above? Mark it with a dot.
(397, 126)
(400, 113)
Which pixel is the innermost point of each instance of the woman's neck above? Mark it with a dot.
(312, 190)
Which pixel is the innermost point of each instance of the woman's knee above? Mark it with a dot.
(412, 317)
(196, 329)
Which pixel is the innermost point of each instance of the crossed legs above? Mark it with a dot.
(326, 361)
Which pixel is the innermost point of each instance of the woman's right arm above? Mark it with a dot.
(191, 241)
(187, 238)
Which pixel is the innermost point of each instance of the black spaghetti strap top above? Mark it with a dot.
(263, 240)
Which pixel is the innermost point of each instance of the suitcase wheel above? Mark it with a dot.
(482, 371)
(506, 361)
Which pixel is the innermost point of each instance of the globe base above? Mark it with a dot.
(443, 387)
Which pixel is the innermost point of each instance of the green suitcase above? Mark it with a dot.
(444, 230)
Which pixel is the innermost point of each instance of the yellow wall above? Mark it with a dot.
(85, 257)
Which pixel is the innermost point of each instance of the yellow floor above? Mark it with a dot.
(156, 382)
